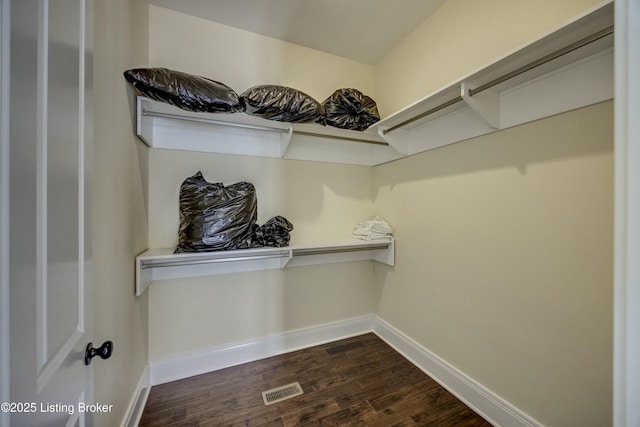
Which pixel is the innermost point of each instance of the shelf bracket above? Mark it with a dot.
(285, 140)
(399, 141)
(485, 104)
(285, 260)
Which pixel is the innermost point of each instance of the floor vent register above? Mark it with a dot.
(281, 393)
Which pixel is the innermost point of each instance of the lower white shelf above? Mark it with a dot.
(163, 264)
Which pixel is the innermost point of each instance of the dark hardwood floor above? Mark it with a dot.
(359, 381)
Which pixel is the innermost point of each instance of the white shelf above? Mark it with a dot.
(568, 68)
(161, 125)
(163, 264)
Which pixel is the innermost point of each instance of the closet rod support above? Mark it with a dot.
(547, 58)
(424, 114)
(342, 138)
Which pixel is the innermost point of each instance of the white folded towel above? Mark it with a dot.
(361, 231)
(381, 227)
(371, 237)
(375, 228)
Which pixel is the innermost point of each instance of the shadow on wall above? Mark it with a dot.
(325, 200)
(141, 149)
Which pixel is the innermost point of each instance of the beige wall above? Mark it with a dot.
(196, 314)
(504, 254)
(461, 37)
(119, 216)
(324, 202)
(242, 59)
(504, 261)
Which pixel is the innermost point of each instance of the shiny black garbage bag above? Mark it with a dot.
(186, 91)
(274, 232)
(216, 217)
(350, 109)
(282, 104)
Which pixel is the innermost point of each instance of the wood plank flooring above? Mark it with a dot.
(359, 381)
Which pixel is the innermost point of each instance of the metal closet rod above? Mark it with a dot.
(283, 253)
(538, 62)
(179, 263)
(215, 122)
(340, 137)
(320, 251)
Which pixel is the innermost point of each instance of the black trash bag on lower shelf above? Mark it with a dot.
(214, 217)
(350, 109)
(274, 232)
(186, 91)
(282, 104)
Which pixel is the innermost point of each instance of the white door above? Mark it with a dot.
(4, 208)
(49, 227)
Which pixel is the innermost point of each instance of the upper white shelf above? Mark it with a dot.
(161, 125)
(568, 68)
(163, 264)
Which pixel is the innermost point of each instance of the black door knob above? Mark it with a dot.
(104, 351)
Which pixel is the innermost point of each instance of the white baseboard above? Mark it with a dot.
(138, 400)
(187, 365)
(490, 406)
(486, 403)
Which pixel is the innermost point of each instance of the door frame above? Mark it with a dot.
(627, 211)
(626, 356)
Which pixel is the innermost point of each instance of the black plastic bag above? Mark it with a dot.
(186, 91)
(214, 217)
(274, 232)
(350, 109)
(282, 104)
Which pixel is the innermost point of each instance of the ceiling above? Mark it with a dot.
(362, 30)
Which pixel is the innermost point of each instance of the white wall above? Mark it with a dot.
(119, 215)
